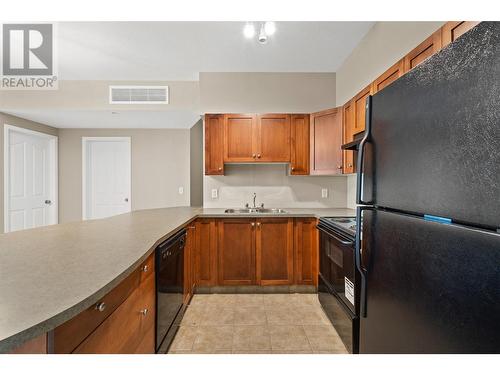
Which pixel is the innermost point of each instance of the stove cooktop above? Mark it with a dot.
(344, 224)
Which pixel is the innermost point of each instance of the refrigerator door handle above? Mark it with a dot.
(358, 261)
(361, 151)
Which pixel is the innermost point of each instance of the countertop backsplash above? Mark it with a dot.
(274, 187)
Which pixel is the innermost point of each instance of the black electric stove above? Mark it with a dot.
(338, 284)
(344, 225)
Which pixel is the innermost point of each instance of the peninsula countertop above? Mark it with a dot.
(50, 274)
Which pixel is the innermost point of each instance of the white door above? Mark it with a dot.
(106, 177)
(30, 179)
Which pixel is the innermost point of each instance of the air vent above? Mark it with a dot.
(138, 94)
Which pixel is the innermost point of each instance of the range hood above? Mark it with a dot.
(353, 145)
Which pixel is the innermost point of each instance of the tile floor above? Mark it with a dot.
(256, 323)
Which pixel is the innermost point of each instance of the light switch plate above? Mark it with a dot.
(215, 193)
(324, 193)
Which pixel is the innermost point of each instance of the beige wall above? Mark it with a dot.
(22, 123)
(385, 43)
(94, 95)
(160, 165)
(196, 164)
(266, 92)
(274, 188)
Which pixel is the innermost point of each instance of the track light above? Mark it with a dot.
(266, 29)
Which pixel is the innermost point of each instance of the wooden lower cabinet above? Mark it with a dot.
(236, 252)
(189, 251)
(306, 251)
(129, 329)
(206, 253)
(38, 345)
(274, 251)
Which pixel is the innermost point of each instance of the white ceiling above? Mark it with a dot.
(180, 50)
(106, 119)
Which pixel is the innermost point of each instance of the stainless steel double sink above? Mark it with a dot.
(256, 210)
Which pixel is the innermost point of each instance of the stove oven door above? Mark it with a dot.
(337, 267)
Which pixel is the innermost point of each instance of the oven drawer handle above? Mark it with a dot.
(343, 242)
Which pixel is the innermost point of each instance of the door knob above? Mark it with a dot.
(48, 201)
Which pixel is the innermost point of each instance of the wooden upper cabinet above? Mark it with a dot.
(273, 138)
(236, 248)
(274, 251)
(359, 108)
(389, 76)
(214, 144)
(348, 131)
(325, 142)
(427, 48)
(299, 150)
(205, 253)
(240, 137)
(453, 29)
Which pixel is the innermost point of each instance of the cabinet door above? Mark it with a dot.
(360, 110)
(453, 29)
(273, 138)
(236, 247)
(214, 144)
(389, 76)
(129, 329)
(189, 251)
(326, 139)
(348, 136)
(240, 138)
(274, 250)
(424, 50)
(306, 251)
(299, 158)
(206, 253)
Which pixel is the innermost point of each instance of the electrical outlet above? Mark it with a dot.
(215, 193)
(324, 193)
(181, 190)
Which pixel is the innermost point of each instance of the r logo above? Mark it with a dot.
(27, 50)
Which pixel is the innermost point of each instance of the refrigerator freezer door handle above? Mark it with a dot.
(357, 259)
(366, 138)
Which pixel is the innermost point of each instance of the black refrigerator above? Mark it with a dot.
(429, 201)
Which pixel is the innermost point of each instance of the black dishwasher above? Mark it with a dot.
(169, 288)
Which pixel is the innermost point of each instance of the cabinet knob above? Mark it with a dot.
(258, 224)
(101, 306)
(253, 155)
(253, 224)
(220, 168)
(293, 168)
(145, 268)
(349, 165)
(144, 312)
(339, 166)
(258, 156)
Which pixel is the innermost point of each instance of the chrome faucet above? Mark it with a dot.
(254, 203)
(254, 197)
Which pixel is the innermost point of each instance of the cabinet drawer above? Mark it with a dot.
(70, 334)
(129, 329)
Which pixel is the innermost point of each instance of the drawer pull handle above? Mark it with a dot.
(144, 312)
(101, 306)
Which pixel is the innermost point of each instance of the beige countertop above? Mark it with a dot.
(50, 274)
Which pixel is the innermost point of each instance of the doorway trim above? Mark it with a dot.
(85, 142)
(53, 142)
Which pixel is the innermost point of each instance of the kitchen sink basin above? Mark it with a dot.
(257, 210)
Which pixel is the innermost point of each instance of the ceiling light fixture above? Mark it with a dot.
(266, 29)
(270, 27)
(249, 30)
